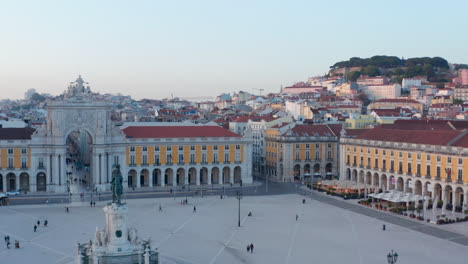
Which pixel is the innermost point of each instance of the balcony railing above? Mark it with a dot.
(400, 172)
(144, 164)
(192, 163)
(169, 163)
(428, 176)
(368, 167)
(460, 181)
(157, 163)
(392, 170)
(361, 166)
(41, 167)
(238, 162)
(438, 178)
(227, 162)
(448, 179)
(132, 165)
(216, 162)
(418, 174)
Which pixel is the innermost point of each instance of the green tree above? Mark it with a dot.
(37, 97)
(353, 76)
(457, 101)
(371, 71)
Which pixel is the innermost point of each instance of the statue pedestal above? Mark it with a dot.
(116, 232)
(117, 243)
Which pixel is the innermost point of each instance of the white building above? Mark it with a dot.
(384, 91)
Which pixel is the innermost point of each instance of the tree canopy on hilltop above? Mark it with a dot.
(383, 61)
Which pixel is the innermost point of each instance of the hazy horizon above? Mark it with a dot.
(152, 49)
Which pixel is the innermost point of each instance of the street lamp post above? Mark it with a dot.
(239, 197)
(392, 257)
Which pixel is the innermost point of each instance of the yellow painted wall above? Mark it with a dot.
(139, 155)
(175, 154)
(210, 154)
(187, 154)
(150, 155)
(232, 153)
(302, 152)
(198, 152)
(162, 157)
(221, 153)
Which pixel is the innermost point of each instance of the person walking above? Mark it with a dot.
(8, 244)
(45, 223)
(66, 209)
(251, 247)
(160, 208)
(38, 223)
(35, 228)
(194, 209)
(297, 217)
(248, 248)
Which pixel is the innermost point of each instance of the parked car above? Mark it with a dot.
(10, 193)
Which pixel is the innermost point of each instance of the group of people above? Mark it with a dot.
(7, 242)
(92, 204)
(38, 223)
(250, 248)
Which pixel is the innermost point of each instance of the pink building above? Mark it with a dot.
(463, 74)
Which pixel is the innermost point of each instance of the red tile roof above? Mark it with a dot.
(177, 132)
(16, 133)
(312, 130)
(428, 125)
(401, 100)
(429, 137)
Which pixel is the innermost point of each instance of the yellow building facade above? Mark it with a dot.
(298, 152)
(430, 163)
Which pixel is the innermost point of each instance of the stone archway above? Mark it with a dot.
(384, 182)
(24, 181)
(368, 178)
(215, 175)
(400, 184)
(448, 191)
(11, 182)
(418, 187)
(297, 171)
(132, 178)
(157, 177)
(144, 178)
(168, 177)
(376, 180)
(204, 175)
(237, 174)
(361, 177)
(306, 169)
(226, 174)
(354, 176)
(41, 182)
(192, 178)
(180, 180)
(78, 159)
(328, 171)
(348, 174)
(317, 170)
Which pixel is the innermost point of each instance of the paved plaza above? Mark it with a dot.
(322, 234)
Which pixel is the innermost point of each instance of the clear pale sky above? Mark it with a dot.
(203, 48)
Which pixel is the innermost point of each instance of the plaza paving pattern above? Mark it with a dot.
(397, 220)
(323, 233)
